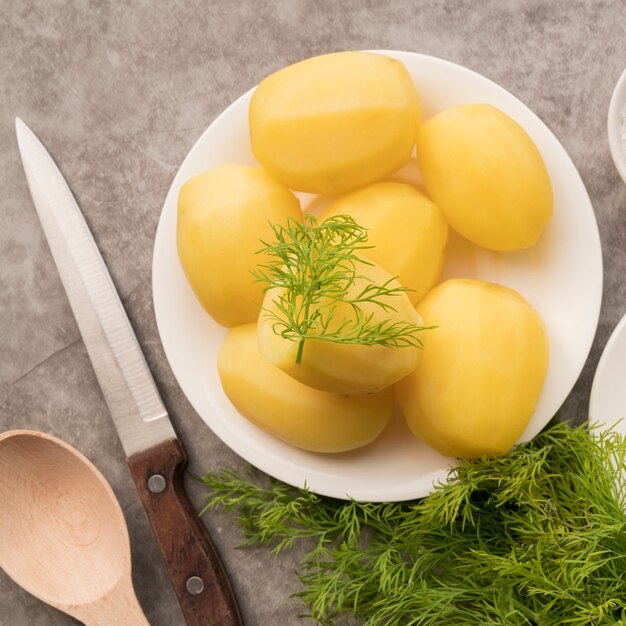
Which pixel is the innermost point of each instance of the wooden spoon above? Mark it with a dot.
(62, 533)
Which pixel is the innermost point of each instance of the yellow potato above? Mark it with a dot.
(335, 122)
(304, 417)
(344, 368)
(222, 215)
(486, 175)
(482, 371)
(407, 230)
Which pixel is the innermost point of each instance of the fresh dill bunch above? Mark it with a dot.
(536, 538)
(313, 266)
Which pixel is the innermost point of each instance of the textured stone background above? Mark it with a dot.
(119, 91)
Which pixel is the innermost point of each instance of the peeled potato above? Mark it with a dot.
(222, 216)
(344, 368)
(482, 371)
(304, 417)
(407, 231)
(334, 122)
(486, 175)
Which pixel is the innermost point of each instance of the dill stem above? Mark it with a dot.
(300, 349)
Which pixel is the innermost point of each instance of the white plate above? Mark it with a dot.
(607, 404)
(561, 277)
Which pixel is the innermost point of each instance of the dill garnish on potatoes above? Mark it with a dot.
(321, 291)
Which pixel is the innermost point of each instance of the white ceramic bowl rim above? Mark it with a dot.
(616, 122)
(607, 402)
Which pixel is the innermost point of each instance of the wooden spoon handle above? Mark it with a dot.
(194, 567)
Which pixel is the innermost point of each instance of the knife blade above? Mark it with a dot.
(155, 456)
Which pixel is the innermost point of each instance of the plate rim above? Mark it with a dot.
(617, 334)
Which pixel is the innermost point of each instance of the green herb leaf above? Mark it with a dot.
(314, 266)
(535, 538)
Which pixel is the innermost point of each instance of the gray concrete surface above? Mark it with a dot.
(119, 91)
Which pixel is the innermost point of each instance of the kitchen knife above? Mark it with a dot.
(155, 456)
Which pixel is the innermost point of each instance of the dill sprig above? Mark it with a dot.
(537, 538)
(314, 267)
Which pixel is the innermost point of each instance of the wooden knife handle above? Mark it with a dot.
(192, 562)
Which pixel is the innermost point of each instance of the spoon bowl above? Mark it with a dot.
(63, 536)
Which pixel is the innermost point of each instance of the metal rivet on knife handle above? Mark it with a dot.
(156, 483)
(195, 585)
